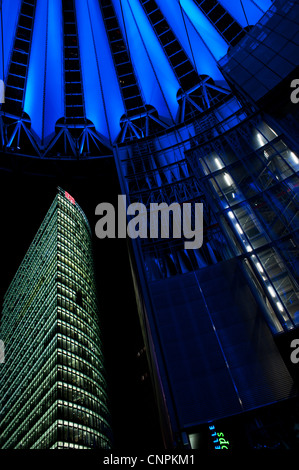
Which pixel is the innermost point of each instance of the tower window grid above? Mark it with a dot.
(61, 349)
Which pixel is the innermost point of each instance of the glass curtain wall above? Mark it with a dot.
(250, 175)
(53, 389)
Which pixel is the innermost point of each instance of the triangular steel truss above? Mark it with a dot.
(199, 98)
(139, 126)
(83, 141)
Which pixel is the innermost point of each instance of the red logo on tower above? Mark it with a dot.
(69, 197)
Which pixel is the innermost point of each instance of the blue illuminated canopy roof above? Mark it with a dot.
(98, 72)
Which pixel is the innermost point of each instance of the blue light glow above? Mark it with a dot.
(213, 40)
(10, 10)
(104, 106)
(264, 4)
(205, 61)
(200, 56)
(103, 101)
(44, 98)
(172, 12)
(253, 10)
(33, 104)
(156, 78)
(54, 103)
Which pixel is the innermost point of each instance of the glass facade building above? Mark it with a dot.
(252, 189)
(215, 312)
(52, 386)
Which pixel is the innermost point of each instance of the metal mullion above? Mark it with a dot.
(25, 54)
(23, 27)
(128, 63)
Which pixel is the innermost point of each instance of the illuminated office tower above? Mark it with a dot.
(52, 385)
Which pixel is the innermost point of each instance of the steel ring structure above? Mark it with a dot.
(108, 72)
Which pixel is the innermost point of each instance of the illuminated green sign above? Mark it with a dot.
(219, 441)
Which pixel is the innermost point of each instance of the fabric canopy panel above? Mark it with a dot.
(124, 50)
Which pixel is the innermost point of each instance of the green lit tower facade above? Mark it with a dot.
(52, 386)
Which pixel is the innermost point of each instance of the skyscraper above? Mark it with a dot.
(52, 385)
(191, 100)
